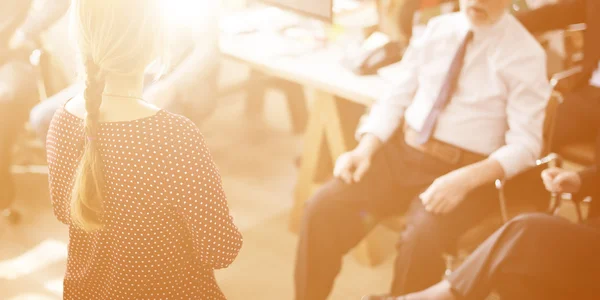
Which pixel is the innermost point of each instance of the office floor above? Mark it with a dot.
(257, 162)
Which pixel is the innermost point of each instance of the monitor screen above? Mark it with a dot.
(319, 9)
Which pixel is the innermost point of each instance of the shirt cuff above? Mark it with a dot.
(383, 131)
(513, 159)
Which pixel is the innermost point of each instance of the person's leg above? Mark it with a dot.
(532, 257)
(577, 117)
(428, 236)
(18, 79)
(340, 215)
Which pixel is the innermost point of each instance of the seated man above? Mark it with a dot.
(20, 25)
(460, 134)
(189, 86)
(534, 256)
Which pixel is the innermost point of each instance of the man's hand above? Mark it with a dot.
(560, 181)
(351, 166)
(446, 192)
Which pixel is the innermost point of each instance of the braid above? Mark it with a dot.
(86, 200)
(94, 86)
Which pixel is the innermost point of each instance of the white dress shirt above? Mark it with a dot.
(595, 80)
(499, 105)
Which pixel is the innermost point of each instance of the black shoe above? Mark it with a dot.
(12, 216)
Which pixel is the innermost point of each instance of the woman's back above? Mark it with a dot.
(165, 221)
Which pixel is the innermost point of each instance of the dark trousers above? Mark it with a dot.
(340, 215)
(20, 78)
(532, 257)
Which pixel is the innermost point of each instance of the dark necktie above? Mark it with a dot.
(445, 92)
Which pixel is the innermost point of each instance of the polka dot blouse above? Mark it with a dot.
(166, 222)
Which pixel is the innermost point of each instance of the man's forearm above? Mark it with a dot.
(484, 172)
(369, 144)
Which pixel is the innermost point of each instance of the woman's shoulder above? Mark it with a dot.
(179, 129)
(184, 141)
(63, 120)
(178, 122)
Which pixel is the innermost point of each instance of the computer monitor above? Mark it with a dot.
(318, 9)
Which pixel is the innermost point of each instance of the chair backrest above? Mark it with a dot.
(555, 100)
(573, 43)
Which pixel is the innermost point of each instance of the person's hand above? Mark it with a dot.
(558, 180)
(160, 94)
(351, 166)
(446, 192)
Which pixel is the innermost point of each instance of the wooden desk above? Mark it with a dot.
(340, 100)
(319, 69)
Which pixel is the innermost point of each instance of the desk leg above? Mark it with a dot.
(329, 133)
(294, 93)
(296, 100)
(312, 157)
(255, 98)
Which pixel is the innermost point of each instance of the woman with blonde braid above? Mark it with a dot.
(147, 214)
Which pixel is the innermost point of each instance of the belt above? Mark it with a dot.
(440, 150)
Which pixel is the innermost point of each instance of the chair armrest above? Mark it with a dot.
(548, 159)
(565, 81)
(503, 207)
(556, 99)
(524, 190)
(576, 27)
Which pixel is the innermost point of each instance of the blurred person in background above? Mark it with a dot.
(192, 70)
(21, 24)
(143, 199)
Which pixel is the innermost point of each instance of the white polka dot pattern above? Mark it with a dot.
(166, 222)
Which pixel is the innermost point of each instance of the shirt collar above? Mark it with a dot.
(484, 32)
